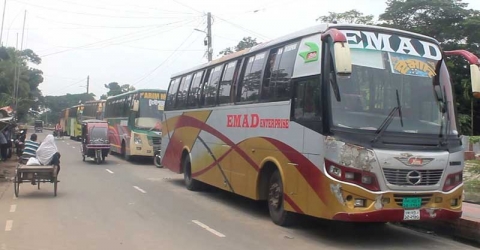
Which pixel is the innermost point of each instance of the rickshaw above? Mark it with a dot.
(94, 139)
(38, 126)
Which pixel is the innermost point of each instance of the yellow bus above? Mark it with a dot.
(342, 122)
(74, 119)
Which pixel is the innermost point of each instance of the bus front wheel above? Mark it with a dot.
(190, 183)
(276, 202)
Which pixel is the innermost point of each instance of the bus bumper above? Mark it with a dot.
(360, 205)
(397, 215)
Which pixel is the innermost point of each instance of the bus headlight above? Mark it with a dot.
(137, 139)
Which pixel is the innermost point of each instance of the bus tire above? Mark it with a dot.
(190, 183)
(275, 201)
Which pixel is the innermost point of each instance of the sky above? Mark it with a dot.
(144, 42)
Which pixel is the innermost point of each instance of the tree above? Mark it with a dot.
(351, 16)
(455, 27)
(55, 104)
(29, 79)
(442, 19)
(115, 89)
(246, 42)
(103, 97)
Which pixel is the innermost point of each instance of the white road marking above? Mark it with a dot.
(13, 208)
(73, 147)
(211, 230)
(9, 225)
(110, 171)
(68, 143)
(139, 189)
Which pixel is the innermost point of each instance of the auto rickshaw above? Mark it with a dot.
(38, 126)
(94, 139)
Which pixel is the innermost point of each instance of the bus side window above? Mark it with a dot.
(306, 109)
(226, 83)
(211, 88)
(284, 64)
(270, 68)
(183, 91)
(193, 99)
(172, 94)
(252, 78)
(203, 85)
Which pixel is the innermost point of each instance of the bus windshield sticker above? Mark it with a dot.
(412, 66)
(392, 43)
(310, 55)
(367, 58)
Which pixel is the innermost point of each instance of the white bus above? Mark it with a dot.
(343, 122)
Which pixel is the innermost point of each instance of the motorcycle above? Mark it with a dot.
(157, 158)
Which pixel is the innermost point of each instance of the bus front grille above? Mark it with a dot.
(156, 141)
(413, 177)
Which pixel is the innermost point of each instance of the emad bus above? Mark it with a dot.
(343, 122)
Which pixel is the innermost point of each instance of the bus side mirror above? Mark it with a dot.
(343, 59)
(135, 105)
(475, 77)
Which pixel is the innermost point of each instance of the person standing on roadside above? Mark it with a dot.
(3, 146)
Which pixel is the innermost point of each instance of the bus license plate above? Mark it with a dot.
(411, 214)
(412, 202)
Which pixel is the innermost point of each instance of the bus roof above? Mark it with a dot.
(137, 91)
(95, 101)
(301, 33)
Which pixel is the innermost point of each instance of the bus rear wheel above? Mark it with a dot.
(276, 200)
(190, 183)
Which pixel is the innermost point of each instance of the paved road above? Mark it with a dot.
(121, 205)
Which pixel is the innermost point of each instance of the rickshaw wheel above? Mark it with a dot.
(16, 185)
(55, 186)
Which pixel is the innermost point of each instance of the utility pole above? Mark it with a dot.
(88, 83)
(209, 36)
(3, 19)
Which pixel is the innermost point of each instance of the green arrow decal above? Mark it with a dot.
(310, 55)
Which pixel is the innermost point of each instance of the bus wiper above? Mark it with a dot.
(379, 132)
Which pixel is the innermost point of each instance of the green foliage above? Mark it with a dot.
(56, 104)
(246, 42)
(351, 16)
(115, 89)
(473, 140)
(29, 96)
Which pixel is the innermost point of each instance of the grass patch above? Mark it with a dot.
(475, 166)
(472, 191)
(473, 185)
(474, 162)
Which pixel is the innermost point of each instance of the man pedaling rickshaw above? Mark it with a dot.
(58, 130)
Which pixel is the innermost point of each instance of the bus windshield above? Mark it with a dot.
(150, 114)
(366, 98)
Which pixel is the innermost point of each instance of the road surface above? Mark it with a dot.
(122, 205)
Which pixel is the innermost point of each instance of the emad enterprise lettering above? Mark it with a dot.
(254, 121)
